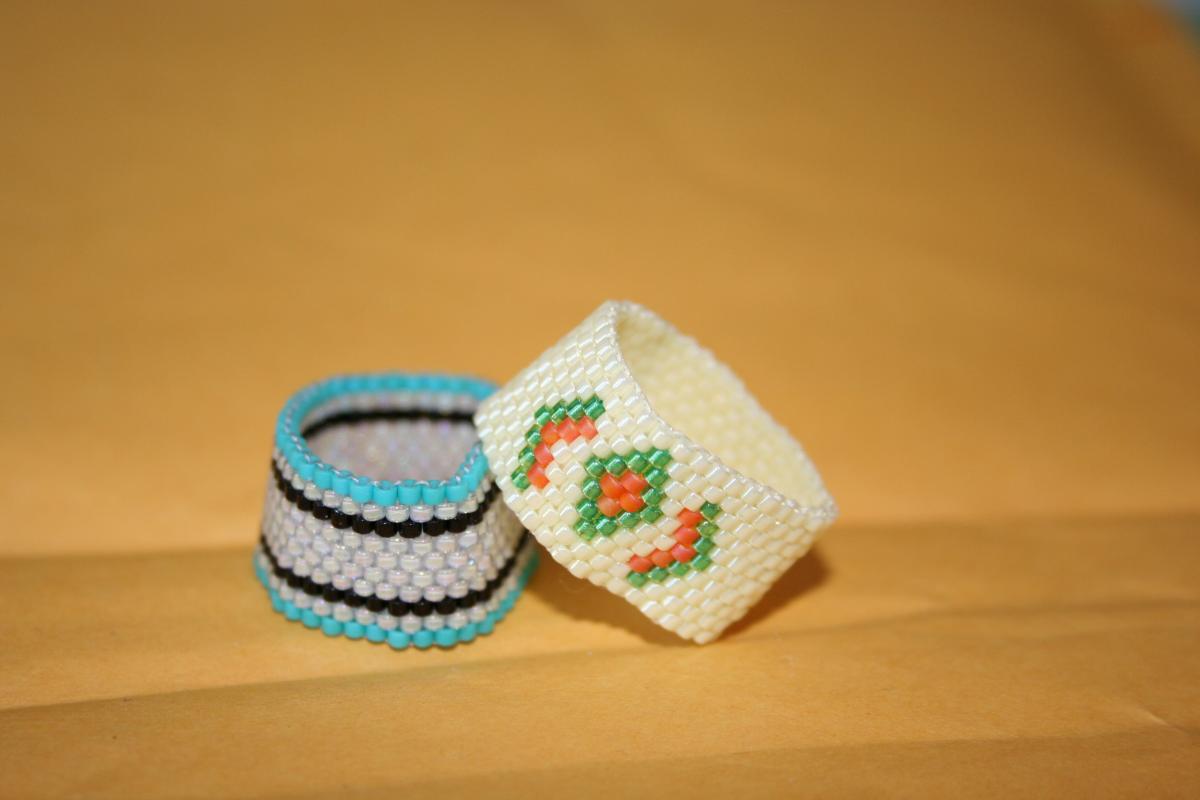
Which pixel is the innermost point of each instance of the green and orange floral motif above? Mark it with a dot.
(622, 491)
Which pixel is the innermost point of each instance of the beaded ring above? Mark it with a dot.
(425, 554)
(643, 464)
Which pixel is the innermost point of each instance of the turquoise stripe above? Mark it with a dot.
(445, 638)
(293, 447)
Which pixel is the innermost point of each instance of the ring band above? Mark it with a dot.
(426, 554)
(643, 464)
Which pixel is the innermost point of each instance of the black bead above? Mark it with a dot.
(398, 608)
(435, 527)
(355, 600)
(311, 587)
(422, 608)
(458, 524)
(410, 529)
(304, 504)
(340, 520)
(291, 493)
(476, 516)
(375, 603)
(385, 528)
(280, 572)
(332, 594)
(362, 525)
(294, 580)
(447, 606)
(322, 511)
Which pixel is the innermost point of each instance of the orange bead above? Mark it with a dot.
(542, 454)
(549, 433)
(587, 428)
(640, 564)
(683, 553)
(662, 558)
(689, 518)
(634, 483)
(568, 431)
(609, 485)
(632, 503)
(608, 506)
(537, 476)
(686, 535)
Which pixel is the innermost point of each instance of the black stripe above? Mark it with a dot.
(396, 607)
(386, 414)
(384, 527)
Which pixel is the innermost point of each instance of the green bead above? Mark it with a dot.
(541, 416)
(637, 462)
(660, 458)
(606, 526)
(585, 529)
(710, 510)
(533, 436)
(558, 413)
(637, 579)
(594, 467)
(594, 407)
(520, 481)
(679, 569)
(651, 514)
(628, 519)
(587, 509)
(652, 496)
(658, 574)
(707, 528)
(575, 410)
(656, 477)
(591, 489)
(526, 458)
(615, 465)
(703, 545)
(700, 563)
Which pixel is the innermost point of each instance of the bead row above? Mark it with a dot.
(448, 390)
(430, 568)
(397, 638)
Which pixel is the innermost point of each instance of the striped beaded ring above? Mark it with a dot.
(643, 464)
(422, 554)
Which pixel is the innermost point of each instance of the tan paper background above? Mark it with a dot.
(953, 247)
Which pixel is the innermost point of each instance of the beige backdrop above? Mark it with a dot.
(953, 247)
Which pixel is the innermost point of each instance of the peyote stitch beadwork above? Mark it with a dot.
(625, 490)
(423, 552)
(643, 465)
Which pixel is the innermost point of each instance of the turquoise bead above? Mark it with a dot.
(361, 490)
(309, 619)
(446, 637)
(341, 482)
(355, 630)
(331, 627)
(433, 493)
(290, 611)
(397, 639)
(323, 476)
(409, 493)
(384, 493)
(422, 639)
(375, 633)
(456, 491)
(467, 632)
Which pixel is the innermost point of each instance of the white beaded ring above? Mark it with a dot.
(643, 464)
